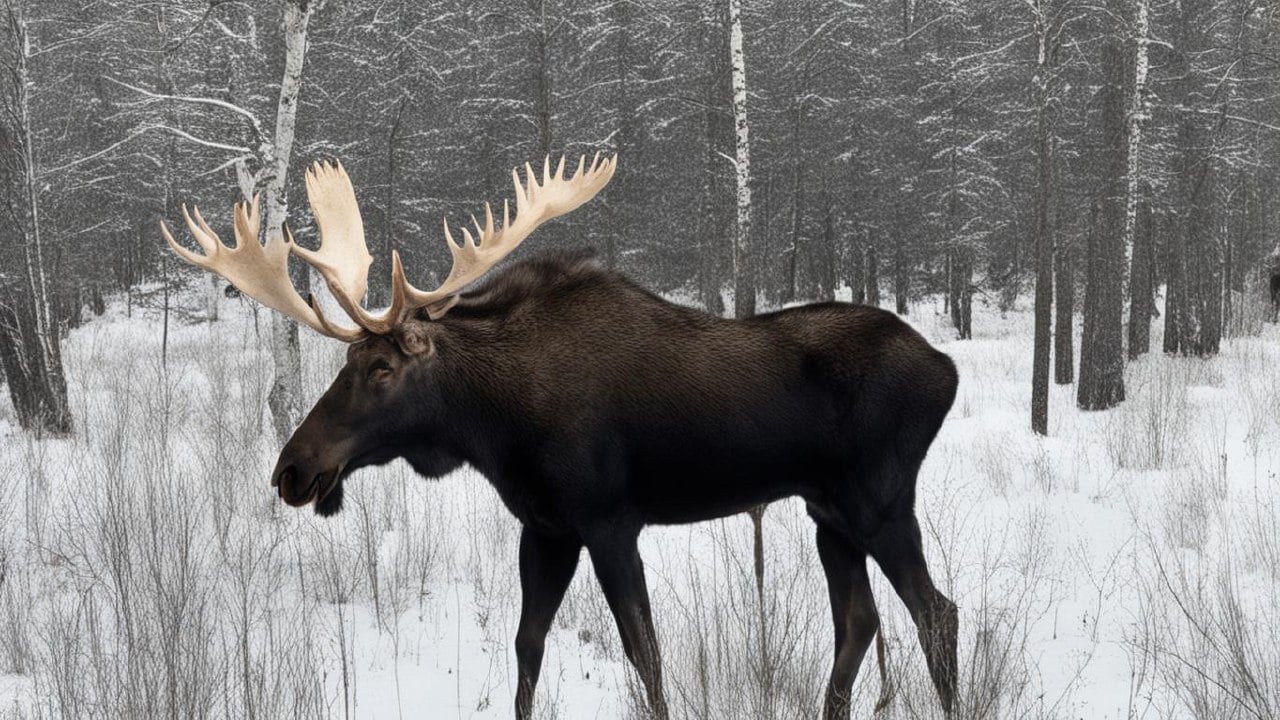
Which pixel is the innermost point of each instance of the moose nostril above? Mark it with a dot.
(285, 476)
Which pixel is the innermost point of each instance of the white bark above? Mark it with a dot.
(744, 286)
(1137, 113)
(45, 385)
(272, 155)
(33, 248)
(295, 23)
(285, 398)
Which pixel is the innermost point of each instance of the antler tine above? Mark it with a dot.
(536, 203)
(343, 257)
(259, 271)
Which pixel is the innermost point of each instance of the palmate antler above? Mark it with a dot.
(261, 271)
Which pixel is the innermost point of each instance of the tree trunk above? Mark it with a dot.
(901, 283)
(792, 291)
(960, 293)
(1044, 264)
(1133, 122)
(285, 398)
(744, 275)
(1101, 383)
(1141, 287)
(33, 362)
(1064, 278)
(711, 223)
(858, 272)
(1175, 280)
(1137, 230)
(826, 257)
(380, 294)
(873, 275)
(1196, 281)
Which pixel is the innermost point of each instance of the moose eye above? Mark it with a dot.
(377, 371)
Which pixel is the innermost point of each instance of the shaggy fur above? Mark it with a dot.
(595, 407)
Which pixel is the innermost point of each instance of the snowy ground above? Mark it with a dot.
(1128, 566)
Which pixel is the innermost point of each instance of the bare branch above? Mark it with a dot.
(244, 151)
(253, 119)
(200, 141)
(94, 156)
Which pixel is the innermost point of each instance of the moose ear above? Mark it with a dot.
(415, 337)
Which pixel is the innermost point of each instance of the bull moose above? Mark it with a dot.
(596, 407)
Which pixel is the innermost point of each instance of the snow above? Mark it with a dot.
(1098, 570)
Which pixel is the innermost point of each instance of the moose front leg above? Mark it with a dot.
(547, 565)
(621, 574)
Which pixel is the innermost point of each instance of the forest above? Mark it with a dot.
(1093, 153)
(1074, 199)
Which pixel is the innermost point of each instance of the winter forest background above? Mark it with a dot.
(1082, 187)
(909, 148)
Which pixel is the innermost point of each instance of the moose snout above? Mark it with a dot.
(307, 471)
(285, 476)
(295, 483)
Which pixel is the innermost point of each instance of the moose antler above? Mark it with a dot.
(261, 272)
(535, 204)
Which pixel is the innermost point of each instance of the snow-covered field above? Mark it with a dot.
(1128, 566)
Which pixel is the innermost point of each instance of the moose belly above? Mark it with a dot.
(685, 474)
(691, 494)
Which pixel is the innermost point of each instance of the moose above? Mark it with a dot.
(596, 407)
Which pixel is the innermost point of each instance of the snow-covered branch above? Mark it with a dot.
(254, 122)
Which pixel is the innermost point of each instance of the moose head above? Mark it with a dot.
(380, 406)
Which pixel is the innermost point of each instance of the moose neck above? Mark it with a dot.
(465, 386)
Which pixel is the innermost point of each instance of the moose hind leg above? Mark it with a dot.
(853, 611)
(547, 565)
(621, 574)
(898, 550)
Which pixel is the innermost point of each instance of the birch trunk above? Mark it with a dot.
(1133, 121)
(744, 281)
(35, 376)
(873, 274)
(285, 398)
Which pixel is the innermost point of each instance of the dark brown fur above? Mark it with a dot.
(595, 407)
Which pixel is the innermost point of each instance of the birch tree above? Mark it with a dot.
(1137, 230)
(263, 167)
(744, 279)
(285, 398)
(30, 345)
